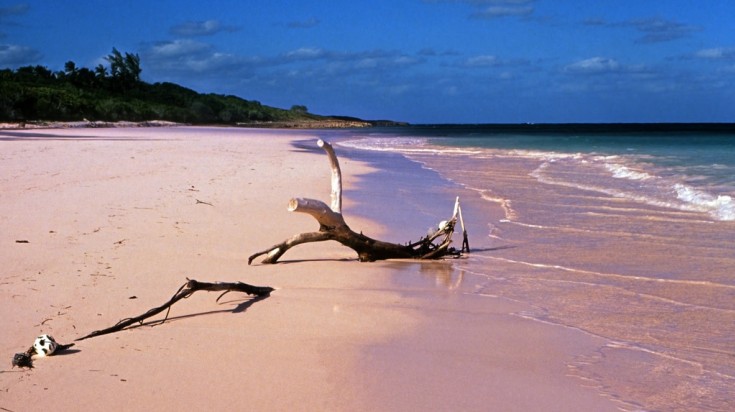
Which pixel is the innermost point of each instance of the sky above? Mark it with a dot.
(419, 61)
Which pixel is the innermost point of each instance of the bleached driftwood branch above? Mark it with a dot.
(332, 226)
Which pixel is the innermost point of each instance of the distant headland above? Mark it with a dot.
(34, 96)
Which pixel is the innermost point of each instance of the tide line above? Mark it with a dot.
(640, 294)
(611, 275)
(634, 347)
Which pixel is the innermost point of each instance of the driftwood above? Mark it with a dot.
(332, 226)
(186, 290)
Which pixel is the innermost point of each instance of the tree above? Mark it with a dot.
(298, 108)
(132, 66)
(116, 92)
(43, 73)
(117, 63)
(125, 70)
(70, 68)
(100, 71)
(84, 78)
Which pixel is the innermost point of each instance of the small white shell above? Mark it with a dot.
(45, 345)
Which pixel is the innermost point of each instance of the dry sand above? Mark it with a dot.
(114, 224)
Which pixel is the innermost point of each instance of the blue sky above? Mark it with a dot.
(421, 61)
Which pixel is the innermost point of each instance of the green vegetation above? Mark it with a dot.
(36, 93)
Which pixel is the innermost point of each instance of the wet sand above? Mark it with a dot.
(103, 224)
(655, 284)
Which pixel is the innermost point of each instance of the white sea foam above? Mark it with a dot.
(383, 144)
(403, 145)
(720, 207)
(510, 214)
(545, 156)
(623, 172)
(597, 173)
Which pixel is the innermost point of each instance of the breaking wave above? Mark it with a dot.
(599, 174)
(405, 145)
(621, 176)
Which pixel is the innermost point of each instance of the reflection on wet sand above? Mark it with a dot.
(655, 282)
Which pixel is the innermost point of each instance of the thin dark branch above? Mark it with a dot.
(185, 291)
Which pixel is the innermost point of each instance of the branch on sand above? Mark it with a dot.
(186, 290)
(332, 226)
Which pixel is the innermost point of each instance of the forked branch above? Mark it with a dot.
(332, 226)
(186, 290)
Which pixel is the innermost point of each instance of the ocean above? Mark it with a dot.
(624, 232)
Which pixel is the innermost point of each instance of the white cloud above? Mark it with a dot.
(659, 30)
(178, 48)
(399, 89)
(199, 28)
(429, 52)
(594, 65)
(215, 61)
(506, 76)
(189, 56)
(304, 24)
(306, 53)
(491, 61)
(15, 55)
(16, 10)
(482, 61)
(195, 59)
(717, 53)
(503, 11)
(490, 9)
(405, 61)
(367, 63)
(345, 62)
(653, 30)
(483, 2)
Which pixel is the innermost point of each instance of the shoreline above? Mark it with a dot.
(92, 124)
(320, 124)
(112, 213)
(613, 268)
(483, 333)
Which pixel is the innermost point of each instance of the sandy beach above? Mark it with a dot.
(100, 225)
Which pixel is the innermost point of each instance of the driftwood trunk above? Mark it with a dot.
(332, 226)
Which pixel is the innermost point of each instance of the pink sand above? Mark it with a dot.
(114, 228)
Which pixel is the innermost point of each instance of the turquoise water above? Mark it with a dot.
(690, 170)
(625, 233)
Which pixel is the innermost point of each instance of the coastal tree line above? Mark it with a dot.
(116, 92)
